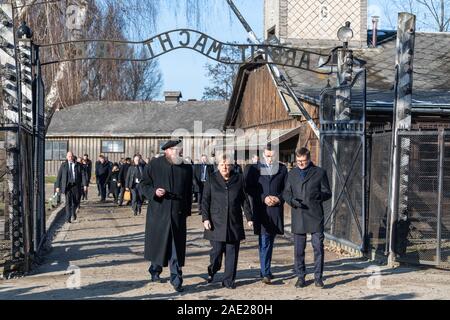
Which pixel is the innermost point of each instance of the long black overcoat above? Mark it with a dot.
(311, 192)
(222, 204)
(261, 183)
(167, 215)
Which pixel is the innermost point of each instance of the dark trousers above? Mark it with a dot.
(72, 200)
(299, 258)
(231, 251)
(176, 273)
(136, 200)
(121, 194)
(200, 195)
(84, 194)
(102, 186)
(266, 242)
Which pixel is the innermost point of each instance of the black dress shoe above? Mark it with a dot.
(156, 278)
(232, 286)
(74, 217)
(300, 283)
(69, 221)
(319, 283)
(178, 288)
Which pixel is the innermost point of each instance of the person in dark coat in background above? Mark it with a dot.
(306, 189)
(167, 184)
(113, 181)
(224, 199)
(265, 182)
(134, 179)
(97, 164)
(70, 180)
(86, 165)
(102, 173)
(110, 165)
(202, 172)
(123, 172)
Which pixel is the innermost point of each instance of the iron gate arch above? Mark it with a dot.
(343, 156)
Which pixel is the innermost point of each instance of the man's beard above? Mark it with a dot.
(175, 160)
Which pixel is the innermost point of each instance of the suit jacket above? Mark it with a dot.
(198, 184)
(222, 205)
(260, 184)
(133, 174)
(102, 171)
(311, 192)
(123, 173)
(88, 169)
(62, 181)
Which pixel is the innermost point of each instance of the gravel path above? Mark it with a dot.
(106, 247)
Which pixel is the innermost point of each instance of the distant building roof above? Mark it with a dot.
(431, 78)
(125, 118)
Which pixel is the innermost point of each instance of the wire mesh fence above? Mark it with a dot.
(422, 230)
(379, 156)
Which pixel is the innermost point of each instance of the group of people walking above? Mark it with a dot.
(259, 193)
(226, 194)
(117, 179)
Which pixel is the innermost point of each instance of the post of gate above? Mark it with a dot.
(441, 148)
(343, 97)
(11, 118)
(401, 121)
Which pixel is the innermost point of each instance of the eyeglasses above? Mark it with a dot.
(302, 161)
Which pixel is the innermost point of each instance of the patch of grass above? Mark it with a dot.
(50, 179)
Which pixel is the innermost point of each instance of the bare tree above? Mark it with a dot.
(433, 15)
(439, 11)
(222, 76)
(69, 83)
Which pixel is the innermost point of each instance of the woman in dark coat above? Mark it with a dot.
(224, 198)
(113, 180)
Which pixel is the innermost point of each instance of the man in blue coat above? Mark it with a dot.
(265, 182)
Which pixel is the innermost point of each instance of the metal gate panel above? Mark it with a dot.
(343, 156)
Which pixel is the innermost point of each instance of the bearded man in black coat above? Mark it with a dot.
(167, 184)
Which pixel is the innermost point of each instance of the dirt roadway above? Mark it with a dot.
(106, 244)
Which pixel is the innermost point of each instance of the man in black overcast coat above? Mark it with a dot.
(265, 182)
(167, 185)
(306, 189)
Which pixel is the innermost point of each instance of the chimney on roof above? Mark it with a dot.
(375, 20)
(172, 96)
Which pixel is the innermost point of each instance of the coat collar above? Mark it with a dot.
(312, 170)
(263, 166)
(221, 180)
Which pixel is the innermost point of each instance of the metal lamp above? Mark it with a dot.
(345, 34)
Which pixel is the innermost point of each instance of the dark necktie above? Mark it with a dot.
(72, 179)
(203, 172)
